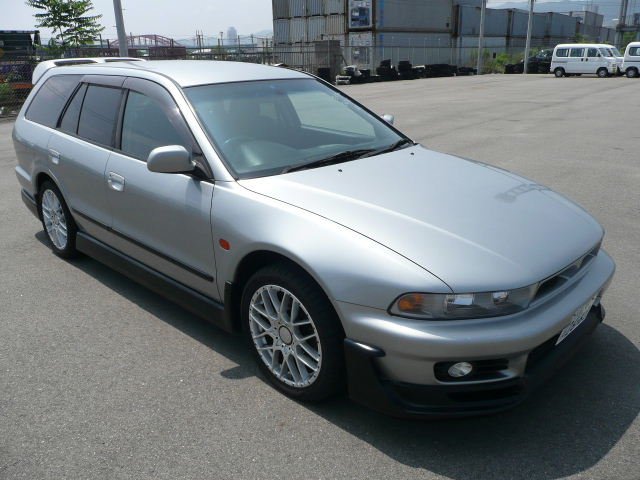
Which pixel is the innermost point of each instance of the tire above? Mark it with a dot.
(272, 335)
(632, 72)
(57, 221)
(559, 72)
(602, 73)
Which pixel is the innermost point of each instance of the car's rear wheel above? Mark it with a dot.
(294, 333)
(559, 72)
(57, 221)
(602, 72)
(632, 72)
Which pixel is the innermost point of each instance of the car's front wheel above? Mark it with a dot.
(57, 221)
(294, 333)
(603, 72)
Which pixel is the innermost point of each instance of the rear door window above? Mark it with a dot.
(49, 101)
(99, 114)
(69, 122)
(577, 52)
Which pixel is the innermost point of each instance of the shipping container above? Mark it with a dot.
(297, 8)
(336, 24)
(280, 9)
(315, 7)
(281, 31)
(519, 20)
(414, 15)
(495, 25)
(334, 6)
(297, 27)
(418, 48)
(559, 25)
(316, 29)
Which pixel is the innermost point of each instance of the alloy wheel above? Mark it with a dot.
(55, 221)
(285, 336)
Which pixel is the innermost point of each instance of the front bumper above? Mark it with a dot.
(404, 400)
(394, 363)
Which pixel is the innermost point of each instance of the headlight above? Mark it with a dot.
(436, 306)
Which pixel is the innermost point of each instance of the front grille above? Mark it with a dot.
(563, 276)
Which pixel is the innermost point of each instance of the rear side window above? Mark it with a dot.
(577, 52)
(634, 51)
(146, 126)
(71, 116)
(100, 114)
(51, 99)
(562, 52)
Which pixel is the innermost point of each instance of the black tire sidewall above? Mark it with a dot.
(70, 249)
(330, 380)
(558, 72)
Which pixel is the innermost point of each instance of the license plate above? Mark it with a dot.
(576, 319)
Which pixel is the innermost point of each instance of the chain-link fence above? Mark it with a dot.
(326, 59)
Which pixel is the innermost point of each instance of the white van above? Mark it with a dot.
(583, 58)
(631, 65)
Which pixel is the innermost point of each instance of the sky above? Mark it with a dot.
(171, 18)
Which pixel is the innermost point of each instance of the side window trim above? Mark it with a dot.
(79, 87)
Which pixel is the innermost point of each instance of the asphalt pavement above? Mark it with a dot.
(102, 379)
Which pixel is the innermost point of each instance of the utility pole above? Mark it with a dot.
(624, 5)
(122, 35)
(480, 37)
(527, 45)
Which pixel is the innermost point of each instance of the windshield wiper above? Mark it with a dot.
(338, 158)
(391, 148)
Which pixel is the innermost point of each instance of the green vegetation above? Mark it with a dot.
(69, 20)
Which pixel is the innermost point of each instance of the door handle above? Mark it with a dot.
(115, 182)
(54, 156)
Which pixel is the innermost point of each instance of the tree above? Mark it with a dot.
(68, 19)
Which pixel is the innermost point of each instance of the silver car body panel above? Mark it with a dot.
(476, 227)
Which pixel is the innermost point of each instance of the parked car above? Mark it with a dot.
(631, 65)
(583, 58)
(538, 63)
(269, 202)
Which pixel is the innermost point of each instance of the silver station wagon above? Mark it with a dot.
(272, 204)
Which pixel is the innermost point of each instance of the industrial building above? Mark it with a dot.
(363, 32)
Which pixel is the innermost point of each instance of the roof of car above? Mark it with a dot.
(188, 73)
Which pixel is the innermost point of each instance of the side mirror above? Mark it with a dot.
(170, 159)
(388, 118)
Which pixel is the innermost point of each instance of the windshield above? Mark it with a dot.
(616, 52)
(266, 127)
(606, 52)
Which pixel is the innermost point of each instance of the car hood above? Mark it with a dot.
(476, 227)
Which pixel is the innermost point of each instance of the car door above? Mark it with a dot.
(80, 149)
(593, 60)
(575, 62)
(162, 220)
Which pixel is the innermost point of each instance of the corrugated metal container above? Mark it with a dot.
(519, 19)
(315, 7)
(297, 8)
(418, 48)
(280, 9)
(415, 15)
(592, 19)
(334, 6)
(607, 35)
(316, 28)
(281, 31)
(496, 21)
(336, 24)
(559, 25)
(297, 27)
(539, 25)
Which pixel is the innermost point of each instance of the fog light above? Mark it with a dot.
(460, 369)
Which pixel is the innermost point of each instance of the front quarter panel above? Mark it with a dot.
(348, 266)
